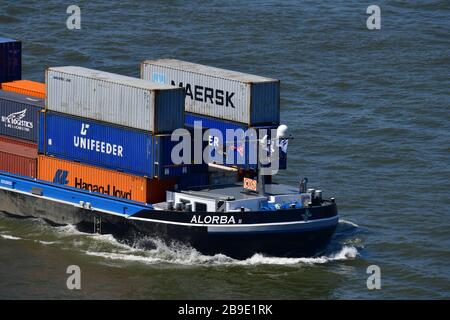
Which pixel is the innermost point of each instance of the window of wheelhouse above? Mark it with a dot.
(200, 207)
(220, 206)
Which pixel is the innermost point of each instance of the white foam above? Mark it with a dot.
(107, 247)
(348, 222)
(188, 256)
(109, 239)
(124, 257)
(9, 237)
(46, 243)
(345, 253)
(68, 230)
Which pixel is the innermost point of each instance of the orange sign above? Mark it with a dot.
(250, 184)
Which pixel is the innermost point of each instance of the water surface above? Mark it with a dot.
(369, 110)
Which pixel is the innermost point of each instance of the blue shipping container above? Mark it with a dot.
(241, 156)
(19, 115)
(197, 179)
(266, 99)
(106, 145)
(10, 60)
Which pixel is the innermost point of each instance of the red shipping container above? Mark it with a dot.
(18, 142)
(18, 157)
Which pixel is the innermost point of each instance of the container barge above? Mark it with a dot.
(97, 158)
(222, 220)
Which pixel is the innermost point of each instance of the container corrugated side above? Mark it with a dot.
(93, 179)
(105, 145)
(10, 60)
(19, 115)
(169, 121)
(219, 93)
(113, 98)
(265, 103)
(26, 87)
(24, 143)
(17, 158)
(241, 156)
(196, 179)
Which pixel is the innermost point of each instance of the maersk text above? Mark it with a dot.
(205, 94)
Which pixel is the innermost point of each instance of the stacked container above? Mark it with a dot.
(116, 99)
(18, 157)
(222, 94)
(239, 150)
(221, 99)
(109, 133)
(19, 115)
(19, 127)
(27, 87)
(10, 60)
(106, 145)
(100, 180)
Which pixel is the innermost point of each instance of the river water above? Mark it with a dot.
(370, 112)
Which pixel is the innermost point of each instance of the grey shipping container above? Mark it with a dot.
(219, 93)
(114, 98)
(19, 115)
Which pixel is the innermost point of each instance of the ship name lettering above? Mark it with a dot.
(213, 219)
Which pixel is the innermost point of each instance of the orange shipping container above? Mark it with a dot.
(27, 87)
(95, 179)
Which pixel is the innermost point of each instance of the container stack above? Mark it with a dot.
(109, 133)
(218, 94)
(19, 116)
(221, 99)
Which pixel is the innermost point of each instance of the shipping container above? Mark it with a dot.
(25, 143)
(108, 182)
(10, 60)
(107, 145)
(219, 93)
(26, 87)
(19, 115)
(196, 179)
(18, 158)
(113, 98)
(241, 154)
